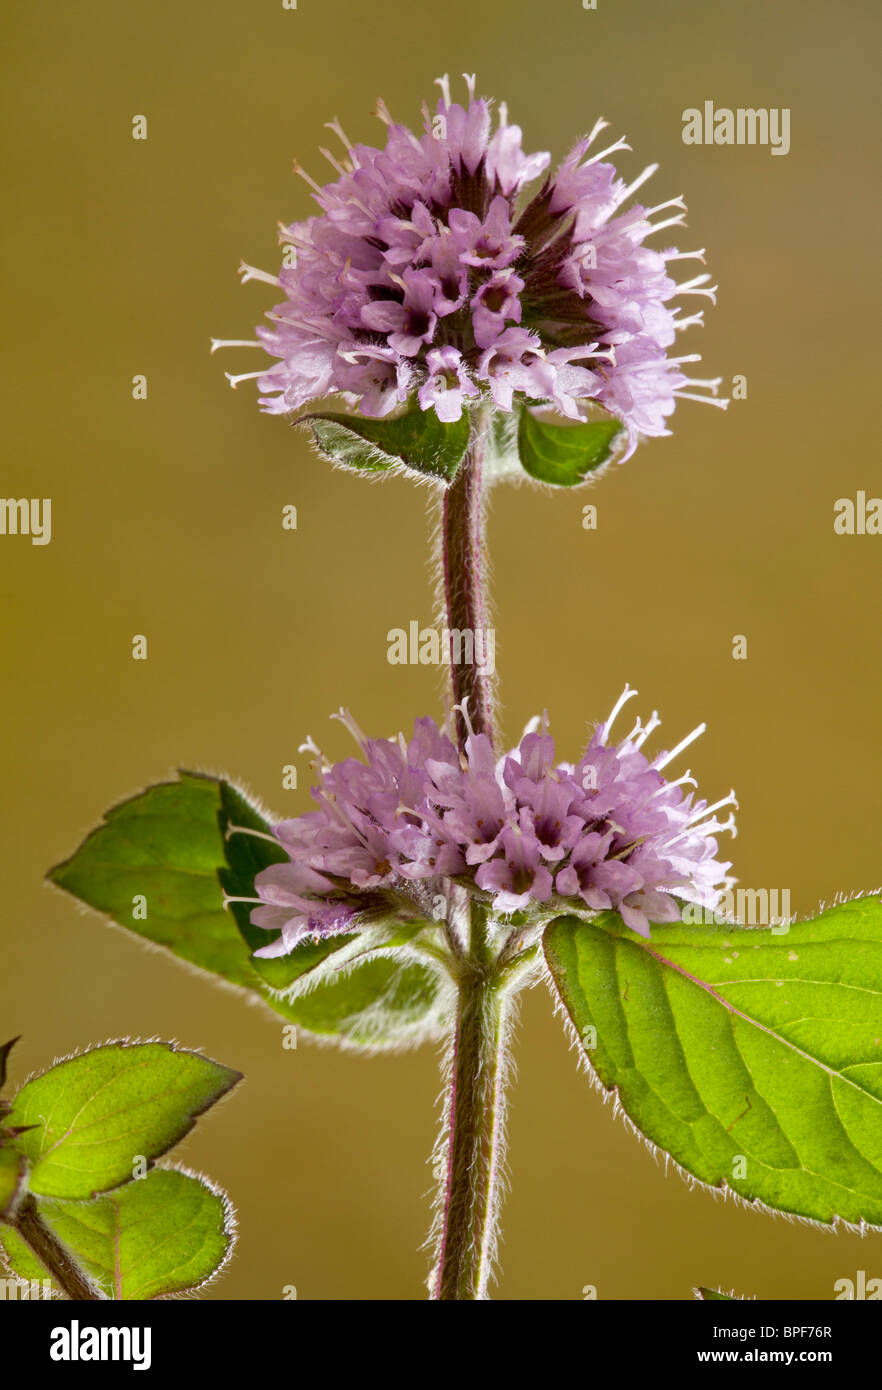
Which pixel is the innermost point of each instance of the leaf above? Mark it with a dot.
(162, 1234)
(565, 454)
(96, 1114)
(170, 845)
(23, 1263)
(12, 1171)
(164, 845)
(380, 1002)
(753, 1058)
(417, 439)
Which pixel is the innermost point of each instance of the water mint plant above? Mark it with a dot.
(456, 313)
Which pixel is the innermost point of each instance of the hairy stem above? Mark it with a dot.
(475, 1131)
(465, 561)
(66, 1274)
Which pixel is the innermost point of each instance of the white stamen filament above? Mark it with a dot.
(250, 272)
(346, 719)
(693, 321)
(464, 711)
(680, 782)
(692, 286)
(252, 376)
(301, 173)
(640, 180)
(671, 203)
(338, 130)
(227, 900)
(444, 84)
(610, 149)
(653, 724)
(626, 695)
(233, 342)
(729, 800)
(679, 221)
(703, 400)
(334, 163)
(247, 830)
(470, 83)
(684, 255)
(599, 125)
(664, 759)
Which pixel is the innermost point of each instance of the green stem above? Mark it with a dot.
(475, 1137)
(65, 1273)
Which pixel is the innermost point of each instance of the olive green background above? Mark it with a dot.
(166, 519)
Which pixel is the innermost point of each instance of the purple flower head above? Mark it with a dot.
(398, 826)
(428, 269)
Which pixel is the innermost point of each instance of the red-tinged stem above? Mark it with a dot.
(474, 1123)
(465, 564)
(55, 1257)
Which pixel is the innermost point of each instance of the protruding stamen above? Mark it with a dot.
(664, 759)
(382, 113)
(653, 723)
(671, 203)
(730, 800)
(334, 163)
(698, 286)
(637, 183)
(679, 221)
(345, 718)
(444, 84)
(686, 779)
(626, 695)
(250, 376)
(610, 149)
(693, 321)
(302, 174)
(254, 901)
(247, 830)
(250, 272)
(470, 83)
(683, 255)
(338, 130)
(463, 709)
(721, 404)
(598, 126)
(233, 342)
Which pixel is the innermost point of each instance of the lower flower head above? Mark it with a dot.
(396, 827)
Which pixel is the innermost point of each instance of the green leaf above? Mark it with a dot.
(23, 1263)
(565, 454)
(95, 1115)
(170, 845)
(164, 845)
(379, 1002)
(753, 1057)
(162, 1234)
(12, 1170)
(417, 439)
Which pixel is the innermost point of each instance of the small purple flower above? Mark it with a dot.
(428, 251)
(397, 827)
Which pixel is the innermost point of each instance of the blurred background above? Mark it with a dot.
(122, 258)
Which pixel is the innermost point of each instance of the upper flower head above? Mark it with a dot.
(428, 270)
(523, 831)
